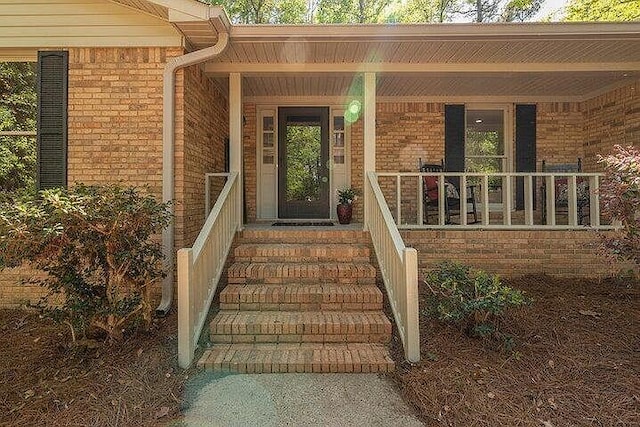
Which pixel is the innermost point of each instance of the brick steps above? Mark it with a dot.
(301, 253)
(299, 235)
(328, 272)
(300, 300)
(300, 326)
(301, 358)
(291, 297)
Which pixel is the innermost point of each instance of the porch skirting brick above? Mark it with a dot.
(510, 253)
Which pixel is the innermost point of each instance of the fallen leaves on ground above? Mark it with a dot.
(45, 382)
(576, 363)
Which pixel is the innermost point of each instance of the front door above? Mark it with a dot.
(303, 158)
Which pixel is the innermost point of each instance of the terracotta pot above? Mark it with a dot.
(344, 213)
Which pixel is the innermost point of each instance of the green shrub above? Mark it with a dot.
(95, 244)
(471, 299)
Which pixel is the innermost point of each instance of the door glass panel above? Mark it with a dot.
(303, 161)
(268, 140)
(338, 140)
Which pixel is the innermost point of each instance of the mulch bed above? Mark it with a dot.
(45, 382)
(568, 368)
(576, 363)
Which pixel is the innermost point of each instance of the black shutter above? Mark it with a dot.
(525, 148)
(454, 132)
(52, 119)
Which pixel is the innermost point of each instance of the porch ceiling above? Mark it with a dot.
(569, 61)
(468, 51)
(533, 86)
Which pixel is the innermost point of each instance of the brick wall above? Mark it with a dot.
(610, 119)
(572, 253)
(357, 167)
(407, 132)
(115, 115)
(15, 289)
(559, 133)
(250, 162)
(202, 124)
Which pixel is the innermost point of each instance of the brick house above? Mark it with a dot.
(171, 95)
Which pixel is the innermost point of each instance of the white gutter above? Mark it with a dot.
(168, 153)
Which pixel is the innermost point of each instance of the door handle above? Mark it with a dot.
(324, 179)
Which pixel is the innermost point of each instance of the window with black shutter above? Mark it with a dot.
(52, 119)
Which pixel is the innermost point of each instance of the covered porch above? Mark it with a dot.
(491, 108)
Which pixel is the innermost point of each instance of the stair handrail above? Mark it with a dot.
(398, 265)
(200, 267)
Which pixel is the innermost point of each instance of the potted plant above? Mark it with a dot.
(346, 197)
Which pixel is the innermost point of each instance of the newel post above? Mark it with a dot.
(186, 344)
(412, 343)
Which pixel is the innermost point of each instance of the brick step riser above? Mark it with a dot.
(257, 306)
(313, 253)
(298, 297)
(297, 358)
(299, 259)
(354, 281)
(307, 273)
(310, 237)
(301, 368)
(230, 327)
(300, 338)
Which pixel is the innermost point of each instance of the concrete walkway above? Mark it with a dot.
(267, 400)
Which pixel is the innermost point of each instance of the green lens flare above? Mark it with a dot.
(352, 113)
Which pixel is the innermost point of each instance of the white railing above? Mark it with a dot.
(200, 267)
(580, 200)
(398, 265)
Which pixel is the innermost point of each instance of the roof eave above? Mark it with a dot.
(457, 31)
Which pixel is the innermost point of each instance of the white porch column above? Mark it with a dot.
(235, 132)
(369, 132)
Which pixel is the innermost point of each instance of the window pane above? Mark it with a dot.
(485, 133)
(268, 140)
(267, 123)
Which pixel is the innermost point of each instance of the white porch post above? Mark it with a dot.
(235, 133)
(369, 133)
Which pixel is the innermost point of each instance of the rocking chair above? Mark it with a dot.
(452, 206)
(561, 186)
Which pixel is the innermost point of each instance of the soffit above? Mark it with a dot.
(434, 51)
(198, 23)
(554, 85)
(147, 7)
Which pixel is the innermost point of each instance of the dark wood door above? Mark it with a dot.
(303, 158)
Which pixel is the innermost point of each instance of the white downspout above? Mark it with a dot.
(168, 147)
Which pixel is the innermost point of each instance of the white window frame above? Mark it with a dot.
(508, 162)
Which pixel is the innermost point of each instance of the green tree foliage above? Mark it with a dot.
(95, 244)
(265, 11)
(352, 11)
(376, 11)
(18, 105)
(603, 10)
(427, 11)
(500, 10)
